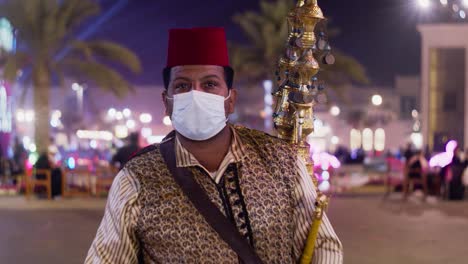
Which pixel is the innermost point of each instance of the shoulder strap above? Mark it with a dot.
(225, 229)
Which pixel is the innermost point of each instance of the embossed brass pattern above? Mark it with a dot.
(295, 96)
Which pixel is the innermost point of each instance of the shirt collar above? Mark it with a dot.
(235, 154)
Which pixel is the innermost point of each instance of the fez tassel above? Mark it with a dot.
(320, 206)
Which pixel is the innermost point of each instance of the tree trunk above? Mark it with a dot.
(41, 84)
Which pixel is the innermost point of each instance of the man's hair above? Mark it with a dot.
(228, 76)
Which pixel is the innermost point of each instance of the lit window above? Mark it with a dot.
(367, 139)
(355, 139)
(379, 143)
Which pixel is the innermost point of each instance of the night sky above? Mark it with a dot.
(381, 34)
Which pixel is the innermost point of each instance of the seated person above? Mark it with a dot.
(416, 170)
(45, 161)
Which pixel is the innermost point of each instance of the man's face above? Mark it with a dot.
(203, 78)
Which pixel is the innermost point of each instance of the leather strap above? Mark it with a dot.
(226, 230)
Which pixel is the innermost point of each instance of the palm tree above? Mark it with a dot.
(45, 28)
(267, 33)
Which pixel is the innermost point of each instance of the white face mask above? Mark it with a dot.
(198, 115)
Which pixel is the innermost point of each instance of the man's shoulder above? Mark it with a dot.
(143, 155)
(259, 136)
(151, 149)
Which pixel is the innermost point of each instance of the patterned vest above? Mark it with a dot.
(256, 195)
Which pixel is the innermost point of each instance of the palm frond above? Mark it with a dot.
(116, 53)
(249, 22)
(267, 32)
(103, 76)
(81, 47)
(77, 11)
(349, 66)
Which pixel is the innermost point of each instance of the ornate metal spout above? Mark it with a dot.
(295, 96)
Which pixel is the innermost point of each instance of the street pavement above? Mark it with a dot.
(372, 230)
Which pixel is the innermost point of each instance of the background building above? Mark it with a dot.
(444, 84)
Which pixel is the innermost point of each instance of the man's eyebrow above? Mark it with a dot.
(211, 76)
(181, 78)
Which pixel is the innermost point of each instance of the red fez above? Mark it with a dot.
(197, 46)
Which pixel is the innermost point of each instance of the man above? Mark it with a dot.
(255, 180)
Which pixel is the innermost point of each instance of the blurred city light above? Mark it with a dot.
(367, 139)
(379, 139)
(119, 115)
(355, 139)
(54, 122)
(417, 140)
(111, 112)
(268, 102)
(131, 124)
(121, 131)
(56, 114)
(167, 121)
(32, 158)
(5, 112)
(146, 132)
(20, 115)
(321, 129)
(26, 141)
(95, 134)
(424, 3)
(445, 158)
(465, 3)
(32, 147)
(155, 139)
(145, 118)
(325, 166)
(324, 186)
(55, 118)
(335, 140)
(126, 112)
(324, 160)
(335, 110)
(76, 87)
(71, 163)
(325, 175)
(377, 100)
(462, 14)
(29, 116)
(444, 2)
(93, 144)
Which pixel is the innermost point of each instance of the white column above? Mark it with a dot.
(465, 129)
(425, 65)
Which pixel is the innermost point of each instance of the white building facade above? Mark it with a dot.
(444, 84)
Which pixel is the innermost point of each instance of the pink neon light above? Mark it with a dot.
(445, 158)
(325, 160)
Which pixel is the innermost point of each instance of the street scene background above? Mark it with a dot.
(390, 115)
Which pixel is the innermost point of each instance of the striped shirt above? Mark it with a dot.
(116, 242)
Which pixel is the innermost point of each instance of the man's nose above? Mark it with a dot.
(196, 86)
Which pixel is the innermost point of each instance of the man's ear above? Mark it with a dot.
(167, 105)
(231, 102)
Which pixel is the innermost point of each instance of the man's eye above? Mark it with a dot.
(211, 84)
(181, 86)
